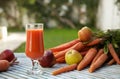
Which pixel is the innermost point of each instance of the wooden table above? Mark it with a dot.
(19, 71)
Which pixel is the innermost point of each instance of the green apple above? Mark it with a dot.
(72, 56)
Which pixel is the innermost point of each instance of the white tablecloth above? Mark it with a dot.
(19, 71)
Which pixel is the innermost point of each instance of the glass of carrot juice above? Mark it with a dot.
(34, 46)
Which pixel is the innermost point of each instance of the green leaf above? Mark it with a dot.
(31, 1)
(114, 43)
(105, 47)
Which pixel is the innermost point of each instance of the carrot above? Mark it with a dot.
(98, 62)
(100, 52)
(95, 41)
(113, 53)
(64, 69)
(54, 53)
(112, 61)
(64, 46)
(61, 53)
(87, 59)
(85, 49)
(60, 60)
(78, 46)
(83, 53)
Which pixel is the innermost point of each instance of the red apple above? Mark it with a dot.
(85, 34)
(48, 60)
(7, 55)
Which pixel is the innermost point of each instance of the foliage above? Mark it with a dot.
(118, 0)
(110, 36)
(92, 7)
(47, 11)
(44, 12)
(15, 29)
(3, 3)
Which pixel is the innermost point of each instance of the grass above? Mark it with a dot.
(16, 29)
(54, 37)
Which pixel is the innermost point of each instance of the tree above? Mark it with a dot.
(63, 12)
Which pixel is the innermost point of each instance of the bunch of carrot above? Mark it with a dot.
(59, 51)
(93, 52)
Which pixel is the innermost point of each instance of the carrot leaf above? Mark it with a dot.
(106, 48)
(114, 43)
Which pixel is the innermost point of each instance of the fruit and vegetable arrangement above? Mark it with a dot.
(90, 49)
(7, 59)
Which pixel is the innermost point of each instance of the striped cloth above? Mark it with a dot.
(19, 71)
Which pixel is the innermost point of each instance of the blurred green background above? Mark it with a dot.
(62, 18)
(53, 13)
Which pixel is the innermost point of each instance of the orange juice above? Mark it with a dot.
(34, 43)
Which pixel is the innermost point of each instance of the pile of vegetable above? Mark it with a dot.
(97, 48)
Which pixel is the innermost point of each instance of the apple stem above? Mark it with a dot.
(13, 61)
(16, 63)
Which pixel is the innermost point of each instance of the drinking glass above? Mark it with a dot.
(34, 45)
